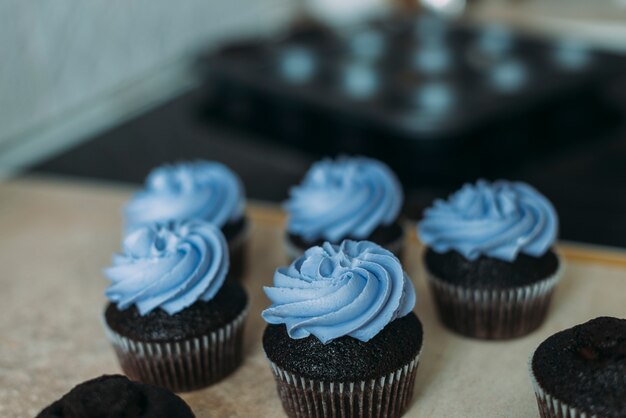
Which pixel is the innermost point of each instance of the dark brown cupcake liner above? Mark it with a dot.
(183, 365)
(551, 407)
(493, 314)
(384, 397)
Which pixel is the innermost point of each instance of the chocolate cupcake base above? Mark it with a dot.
(390, 237)
(183, 365)
(493, 314)
(386, 397)
(346, 378)
(293, 252)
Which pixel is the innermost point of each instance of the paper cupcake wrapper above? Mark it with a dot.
(494, 314)
(551, 407)
(385, 397)
(182, 365)
(396, 247)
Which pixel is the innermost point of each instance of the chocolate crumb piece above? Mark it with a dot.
(198, 319)
(114, 396)
(585, 367)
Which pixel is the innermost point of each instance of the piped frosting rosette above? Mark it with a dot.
(353, 289)
(499, 220)
(168, 267)
(346, 197)
(204, 190)
(174, 275)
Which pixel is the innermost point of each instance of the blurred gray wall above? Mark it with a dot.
(69, 68)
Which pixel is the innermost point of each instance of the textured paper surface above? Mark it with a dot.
(55, 238)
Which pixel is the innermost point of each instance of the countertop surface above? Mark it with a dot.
(57, 235)
(600, 22)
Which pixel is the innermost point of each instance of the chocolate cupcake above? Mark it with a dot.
(581, 372)
(342, 340)
(172, 318)
(115, 396)
(202, 190)
(354, 198)
(489, 259)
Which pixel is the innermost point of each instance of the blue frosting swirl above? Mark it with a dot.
(168, 267)
(353, 289)
(499, 220)
(193, 190)
(347, 197)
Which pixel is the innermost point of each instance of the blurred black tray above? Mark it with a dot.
(501, 97)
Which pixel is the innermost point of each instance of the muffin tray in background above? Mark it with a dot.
(418, 92)
(52, 299)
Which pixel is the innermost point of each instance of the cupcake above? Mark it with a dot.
(203, 190)
(353, 198)
(581, 372)
(172, 318)
(489, 258)
(342, 340)
(115, 396)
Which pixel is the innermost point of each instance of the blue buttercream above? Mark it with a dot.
(168, 267)
(499, 220)
(354, 289)
(346, 197)
(193, 190)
